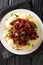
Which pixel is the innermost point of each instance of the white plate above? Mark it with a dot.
(5, 44)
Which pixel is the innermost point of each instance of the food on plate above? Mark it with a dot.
(21, 31)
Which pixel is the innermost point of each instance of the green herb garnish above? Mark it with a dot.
(6, 35)
(14, 41)
(16, 15)
(35, 26)
(28, 43)
(12, 14)
(32, 45)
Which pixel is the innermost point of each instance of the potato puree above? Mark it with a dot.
(7, 26)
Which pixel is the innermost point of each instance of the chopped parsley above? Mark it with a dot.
(35, 26)
(32, 45)
(28, 43)
(12, 14)
(14, 41)
(6, 35)
(16, 15)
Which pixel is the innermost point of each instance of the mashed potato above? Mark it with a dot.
(31, 43)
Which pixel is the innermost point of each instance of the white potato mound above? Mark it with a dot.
(10, 41)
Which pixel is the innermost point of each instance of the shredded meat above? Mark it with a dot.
(23, 30)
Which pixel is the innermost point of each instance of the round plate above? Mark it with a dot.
(5, 44)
